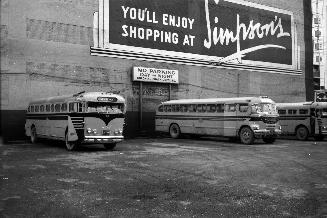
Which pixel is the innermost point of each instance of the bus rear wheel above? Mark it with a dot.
(33, 135)
(247, 136)
(174, 131)
(70, 146)
(302, 133)
(269, 140)
(109, 146)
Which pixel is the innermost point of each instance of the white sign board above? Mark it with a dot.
(145, 74)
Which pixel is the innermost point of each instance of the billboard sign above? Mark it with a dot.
(219, 31)
(145, 74)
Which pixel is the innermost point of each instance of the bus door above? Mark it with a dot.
(230, 120)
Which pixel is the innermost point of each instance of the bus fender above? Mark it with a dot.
(72, 135)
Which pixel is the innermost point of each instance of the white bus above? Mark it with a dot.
(245, 117)
(303, 119)
(86, 117)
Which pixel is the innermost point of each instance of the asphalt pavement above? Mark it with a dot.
(164, 177)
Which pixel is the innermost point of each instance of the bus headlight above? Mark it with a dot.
(88, 130)
(255, 127)
(95, 131)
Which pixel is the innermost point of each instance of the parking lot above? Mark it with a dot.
(163, 177)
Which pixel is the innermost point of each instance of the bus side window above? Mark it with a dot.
(220, 108)
(36, 108)
(183, 108)
(173, 108)
(243, 108)
(230, 107)
(47, 108)
(192, 108)
(42, 108)
(160, 109)
(57, 107)
(291, 111)
(303, 111)
(71, 107)
(282, 111)
(52, 107)
(29, 109)
(201, 108)
(211, 108)
(63, 107)
(80, 107)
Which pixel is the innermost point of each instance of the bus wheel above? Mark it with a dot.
(109, 146)
(269, 140)
(247, 136)
(70, 146)
(174, 131)
(302, 133)
(33, 135)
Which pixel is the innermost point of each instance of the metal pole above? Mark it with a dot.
(169, 92)
(238, 85)
(140, 105)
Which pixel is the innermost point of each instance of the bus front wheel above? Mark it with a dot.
(174, 131)
(109, 146)
(302, 133)
(70, 146)
(33, 135)
(247, 136)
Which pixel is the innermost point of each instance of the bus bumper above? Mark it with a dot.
(103, 139)
(266, 132)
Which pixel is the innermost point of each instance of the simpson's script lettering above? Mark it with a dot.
(243, 32)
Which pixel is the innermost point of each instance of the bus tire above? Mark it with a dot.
(109, 146)
(33, 135)
(174, 131)
(70, 146)
(302, 133)
(247, 135)
(269, 140)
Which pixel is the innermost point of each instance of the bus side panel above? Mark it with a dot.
(289, 124)
(58, 126)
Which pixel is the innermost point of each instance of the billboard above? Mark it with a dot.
(197, 31)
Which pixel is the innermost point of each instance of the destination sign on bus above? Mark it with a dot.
(107, 99)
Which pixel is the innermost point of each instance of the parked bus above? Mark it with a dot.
(86, 117)
(246, 117)
(303, 119)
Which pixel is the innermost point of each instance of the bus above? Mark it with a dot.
(303, 119)
(247, 118)
(82, 118)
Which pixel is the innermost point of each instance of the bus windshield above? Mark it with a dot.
(265, 108)
(105, 107)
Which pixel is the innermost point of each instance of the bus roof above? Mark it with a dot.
(221, 100)
(85, 96)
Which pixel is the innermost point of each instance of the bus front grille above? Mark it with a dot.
(78, 122)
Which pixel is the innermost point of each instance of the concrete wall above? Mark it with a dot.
(45, 51)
